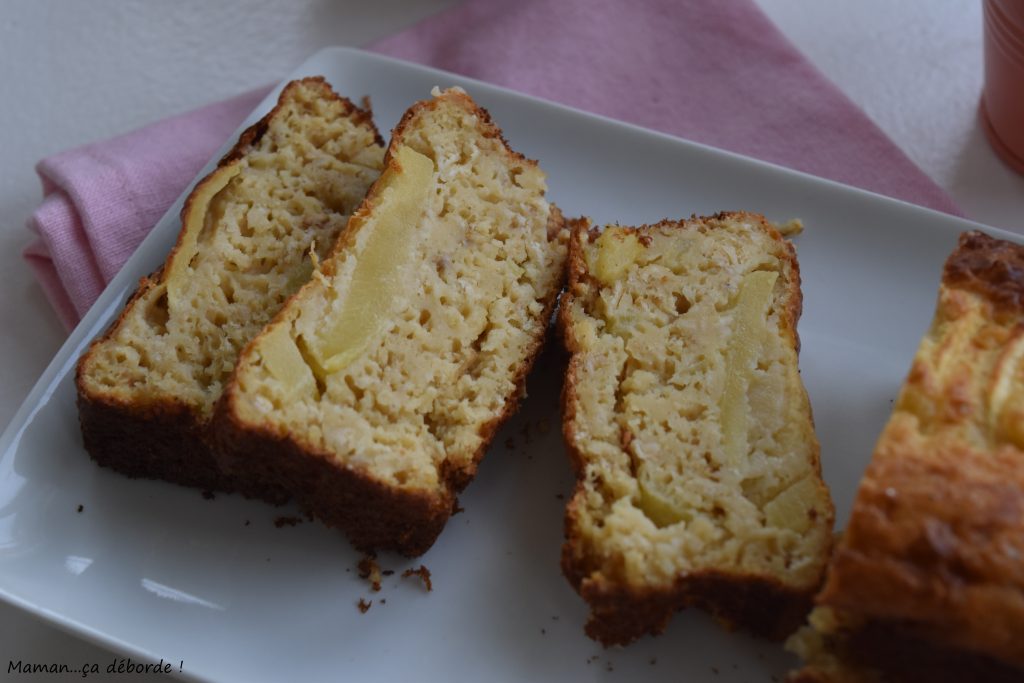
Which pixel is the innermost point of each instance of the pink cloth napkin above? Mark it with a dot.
(718, 73)
(101, 200)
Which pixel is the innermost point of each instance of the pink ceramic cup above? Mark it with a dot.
(1002, 102)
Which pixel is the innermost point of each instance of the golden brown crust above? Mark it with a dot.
(621, 613)
(933, 556)
(934, 539)
(166, 439)
(372, 514)
(990, 267)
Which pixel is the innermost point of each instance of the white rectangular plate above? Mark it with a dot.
(155, 571)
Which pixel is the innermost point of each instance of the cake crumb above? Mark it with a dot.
(287, 521)
(543, 631)
(80, 507)
(456, 508)
(510, 443)
(369, 569)
(247, 522)
(560, 496)
(714, 670)
(364, 605)
(790, 228)
(383, 601)
(421, 572)
(654, 660)
(208, 495)
(388, 572)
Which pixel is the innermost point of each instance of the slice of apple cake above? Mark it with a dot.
(698, 481)
(146, 388)
(373, 395)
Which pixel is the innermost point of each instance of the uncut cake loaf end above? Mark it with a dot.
(698, 479)
(927, 583)
(147, 387)
(375, 392)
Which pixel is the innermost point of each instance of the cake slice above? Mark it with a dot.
(375, 392)
(146, 388)
(927, 583)
(698, 481)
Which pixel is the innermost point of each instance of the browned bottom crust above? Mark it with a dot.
(165, 443)
(150, 444)
(373, 515)
(889, 652)
(619, 615)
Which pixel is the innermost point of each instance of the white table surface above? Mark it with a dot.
(72, 72)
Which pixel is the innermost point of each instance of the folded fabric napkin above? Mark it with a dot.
(101, 200)
(718, 73)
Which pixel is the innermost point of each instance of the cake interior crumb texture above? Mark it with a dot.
(249, 228)
(699, 480)
(399, 359)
